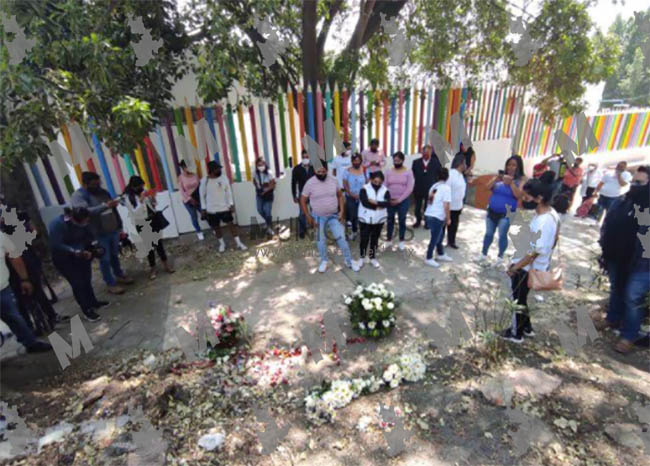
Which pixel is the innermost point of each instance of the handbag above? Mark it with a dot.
(157, 220)
(548, 280)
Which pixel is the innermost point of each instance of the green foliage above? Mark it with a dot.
(571, 56)
(372, 310)
(83, 68)
(631, 79)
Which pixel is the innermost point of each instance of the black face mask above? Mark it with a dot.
(373, 149)
(356, 165)
(95, 190)
(529, 205)
(376, 186)
(217, 173)
(321, 177)
(640, 194)
(398, 165)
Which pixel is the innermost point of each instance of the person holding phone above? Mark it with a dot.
(188, 185)
(106, 224)
(373, 158)
(264, 187)
(436, 217)
(613, 185)
(506, 192)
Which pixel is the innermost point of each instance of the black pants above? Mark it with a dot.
(520, 319)
(151, 257)
(369, 234)
(78, 272)
(452, 229)
(420, 205)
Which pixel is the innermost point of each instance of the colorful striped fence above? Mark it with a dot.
(274, 130)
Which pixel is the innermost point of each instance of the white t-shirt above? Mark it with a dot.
(437, 208)
(6, 247)
(458, 187)
(215, 194)
(340, 164)
(548, 224)
(611, 187)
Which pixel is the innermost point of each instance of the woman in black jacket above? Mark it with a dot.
(136, 196)
(426, 171)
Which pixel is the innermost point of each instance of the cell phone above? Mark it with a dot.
(501, 173)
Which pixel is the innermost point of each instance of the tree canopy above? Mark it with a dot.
(83, 65)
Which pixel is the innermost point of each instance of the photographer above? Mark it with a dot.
(73, 249)
(106, 225)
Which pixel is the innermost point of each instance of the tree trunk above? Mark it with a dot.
(310, 59)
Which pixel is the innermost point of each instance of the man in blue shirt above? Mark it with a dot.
(71, 245)
(105, 224)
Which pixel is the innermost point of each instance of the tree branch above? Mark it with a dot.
(322, 36)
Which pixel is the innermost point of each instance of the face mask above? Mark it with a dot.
(398, 165)
(261, 168)
(373, 149)
(305, 162)
(95, 190)
(321, 177)
(376, 186)
(356, 165)
(139, 190)
(529, 205)
(217, 173)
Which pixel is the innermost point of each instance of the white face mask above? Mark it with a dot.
(305, 162)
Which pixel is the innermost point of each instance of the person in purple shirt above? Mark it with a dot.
(400, 182)
(506, 192)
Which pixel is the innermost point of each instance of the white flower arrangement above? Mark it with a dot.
(321, 405)
(372, 310)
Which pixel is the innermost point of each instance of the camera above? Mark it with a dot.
(95, 249)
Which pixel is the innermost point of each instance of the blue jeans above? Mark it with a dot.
(194, 215)
(264, 208)
(437, 227)
(490, 227)
(109, 263)
(10, 314)
(627, 299)
(338, 231)
(401, 210)
(352, 212)
(604, 203)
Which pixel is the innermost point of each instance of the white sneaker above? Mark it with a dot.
(445, 258)
(360, 263)
(401, 245)
(353, 265)
(222, 246)
(241, 246)
(431, 263)
(270, 232)
(200, 236)
(374, 263)
(481, 259)
(322, 267)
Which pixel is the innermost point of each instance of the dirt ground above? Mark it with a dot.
(562, 397)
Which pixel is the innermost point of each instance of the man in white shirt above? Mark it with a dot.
(341, 163)
(9, 312)
(458, 187)
(613, 185)
(590, 181)
(217, 204)
(437, 216)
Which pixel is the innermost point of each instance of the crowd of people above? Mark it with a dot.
(359, 192)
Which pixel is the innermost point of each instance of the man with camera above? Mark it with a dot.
(73, 248)
(105, 224)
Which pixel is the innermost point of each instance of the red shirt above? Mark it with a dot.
(572, 177)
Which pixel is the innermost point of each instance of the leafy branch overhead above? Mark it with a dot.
(113, 63)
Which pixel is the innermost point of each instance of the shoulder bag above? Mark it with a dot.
(548, 280)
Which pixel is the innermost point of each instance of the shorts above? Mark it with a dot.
(215, 219)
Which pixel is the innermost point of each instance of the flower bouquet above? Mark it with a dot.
(229, 327)
(372, 310)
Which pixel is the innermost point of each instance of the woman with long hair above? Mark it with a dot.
(375, 198)
(188, 185)
(264, 186)
(138, 198)
(400, 183)
(545, 225)
(506, 193)
(353, 180)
